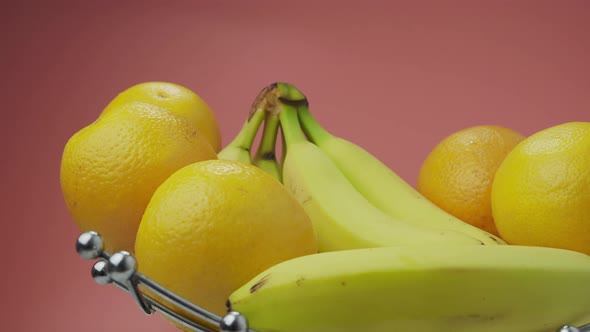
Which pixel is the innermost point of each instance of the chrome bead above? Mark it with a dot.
(99, 273)
(121, 267)
(234, 322)
(567, 328)
(90, 245)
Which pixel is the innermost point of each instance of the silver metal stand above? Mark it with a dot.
(120, 269)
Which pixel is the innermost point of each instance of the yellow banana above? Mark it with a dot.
(422, 289)
(383, 187)
(343, 218)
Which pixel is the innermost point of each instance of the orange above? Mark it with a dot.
(541, 193)
(214, 225)
(111, 168)
(457, 175)
(179, 100)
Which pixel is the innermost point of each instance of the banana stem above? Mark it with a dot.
(311, 127)
(281, 101)
(289, 92)
(266, 149)
(247, 134)
(290, 125)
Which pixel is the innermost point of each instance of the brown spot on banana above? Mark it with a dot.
(299, 281)
(259, 284)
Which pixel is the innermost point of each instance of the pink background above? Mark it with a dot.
(393, 77)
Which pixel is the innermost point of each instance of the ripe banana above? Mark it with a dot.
(422, 289)
(383, 187)
(239, 148)
(343, 218)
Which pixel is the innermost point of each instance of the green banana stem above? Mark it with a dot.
(289, 92)
(269, 136)
(246, 136)
(265, 157)
(290, 102)
(281, 101)
(311, 127)
(290, 126)
(266, 108)
(242, 143)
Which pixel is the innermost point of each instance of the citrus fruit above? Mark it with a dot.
(457, 174)
(177, 99)
(110, 168)
(541, 193)
(214, 225)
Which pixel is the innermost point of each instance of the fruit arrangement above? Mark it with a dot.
(320, 235)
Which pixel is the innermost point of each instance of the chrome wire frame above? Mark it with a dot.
(120, 269)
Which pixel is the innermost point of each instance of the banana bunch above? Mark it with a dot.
(353, 199)
(389, 259)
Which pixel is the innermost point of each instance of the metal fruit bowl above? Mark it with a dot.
(120, 269)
